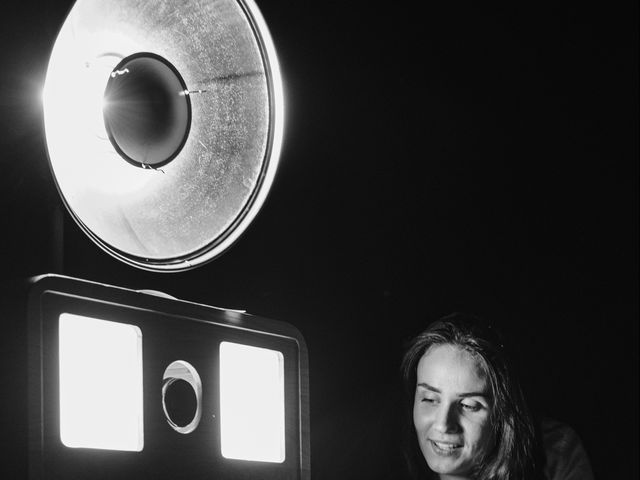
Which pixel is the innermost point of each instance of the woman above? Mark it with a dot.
(467, 416)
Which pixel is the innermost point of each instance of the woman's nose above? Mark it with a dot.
(447, 419)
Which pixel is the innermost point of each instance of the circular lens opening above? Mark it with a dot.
(182, 396)
(180, 402)
(146, 110)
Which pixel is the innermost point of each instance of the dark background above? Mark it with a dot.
(457, 158)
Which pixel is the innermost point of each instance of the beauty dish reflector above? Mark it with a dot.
(163, 124)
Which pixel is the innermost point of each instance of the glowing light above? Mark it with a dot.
(178, 215)
(82, 156)
(101, 404)
(251, 403)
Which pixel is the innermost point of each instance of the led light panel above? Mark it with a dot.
(252, 403)
(101, 402)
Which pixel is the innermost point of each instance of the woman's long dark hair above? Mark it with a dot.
(513, 454)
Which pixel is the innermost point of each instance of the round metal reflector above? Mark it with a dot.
(163, 122)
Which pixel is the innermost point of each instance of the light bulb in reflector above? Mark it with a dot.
(101, 403)
(251, 403)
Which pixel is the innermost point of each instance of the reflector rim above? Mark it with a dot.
(222, 242)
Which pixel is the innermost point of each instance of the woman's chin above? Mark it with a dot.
(444, 459)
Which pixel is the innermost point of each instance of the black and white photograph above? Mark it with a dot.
(267, 239)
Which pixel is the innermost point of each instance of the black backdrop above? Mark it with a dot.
(456, 158)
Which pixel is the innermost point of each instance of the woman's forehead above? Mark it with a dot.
(451, 369)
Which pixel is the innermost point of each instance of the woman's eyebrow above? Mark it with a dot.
(472, 394)
(426, 386)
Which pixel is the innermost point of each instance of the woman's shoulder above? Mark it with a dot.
(566, 458)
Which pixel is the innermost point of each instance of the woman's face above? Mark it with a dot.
(451, 410)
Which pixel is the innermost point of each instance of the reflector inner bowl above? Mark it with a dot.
(147, 112)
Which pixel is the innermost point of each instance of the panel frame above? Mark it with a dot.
(171, 330)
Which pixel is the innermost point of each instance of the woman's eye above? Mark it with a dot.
(429, 400)
(471, 407)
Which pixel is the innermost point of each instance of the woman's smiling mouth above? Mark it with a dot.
(445, 448)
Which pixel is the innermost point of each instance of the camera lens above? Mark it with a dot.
(180, 402)
(182, 396)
